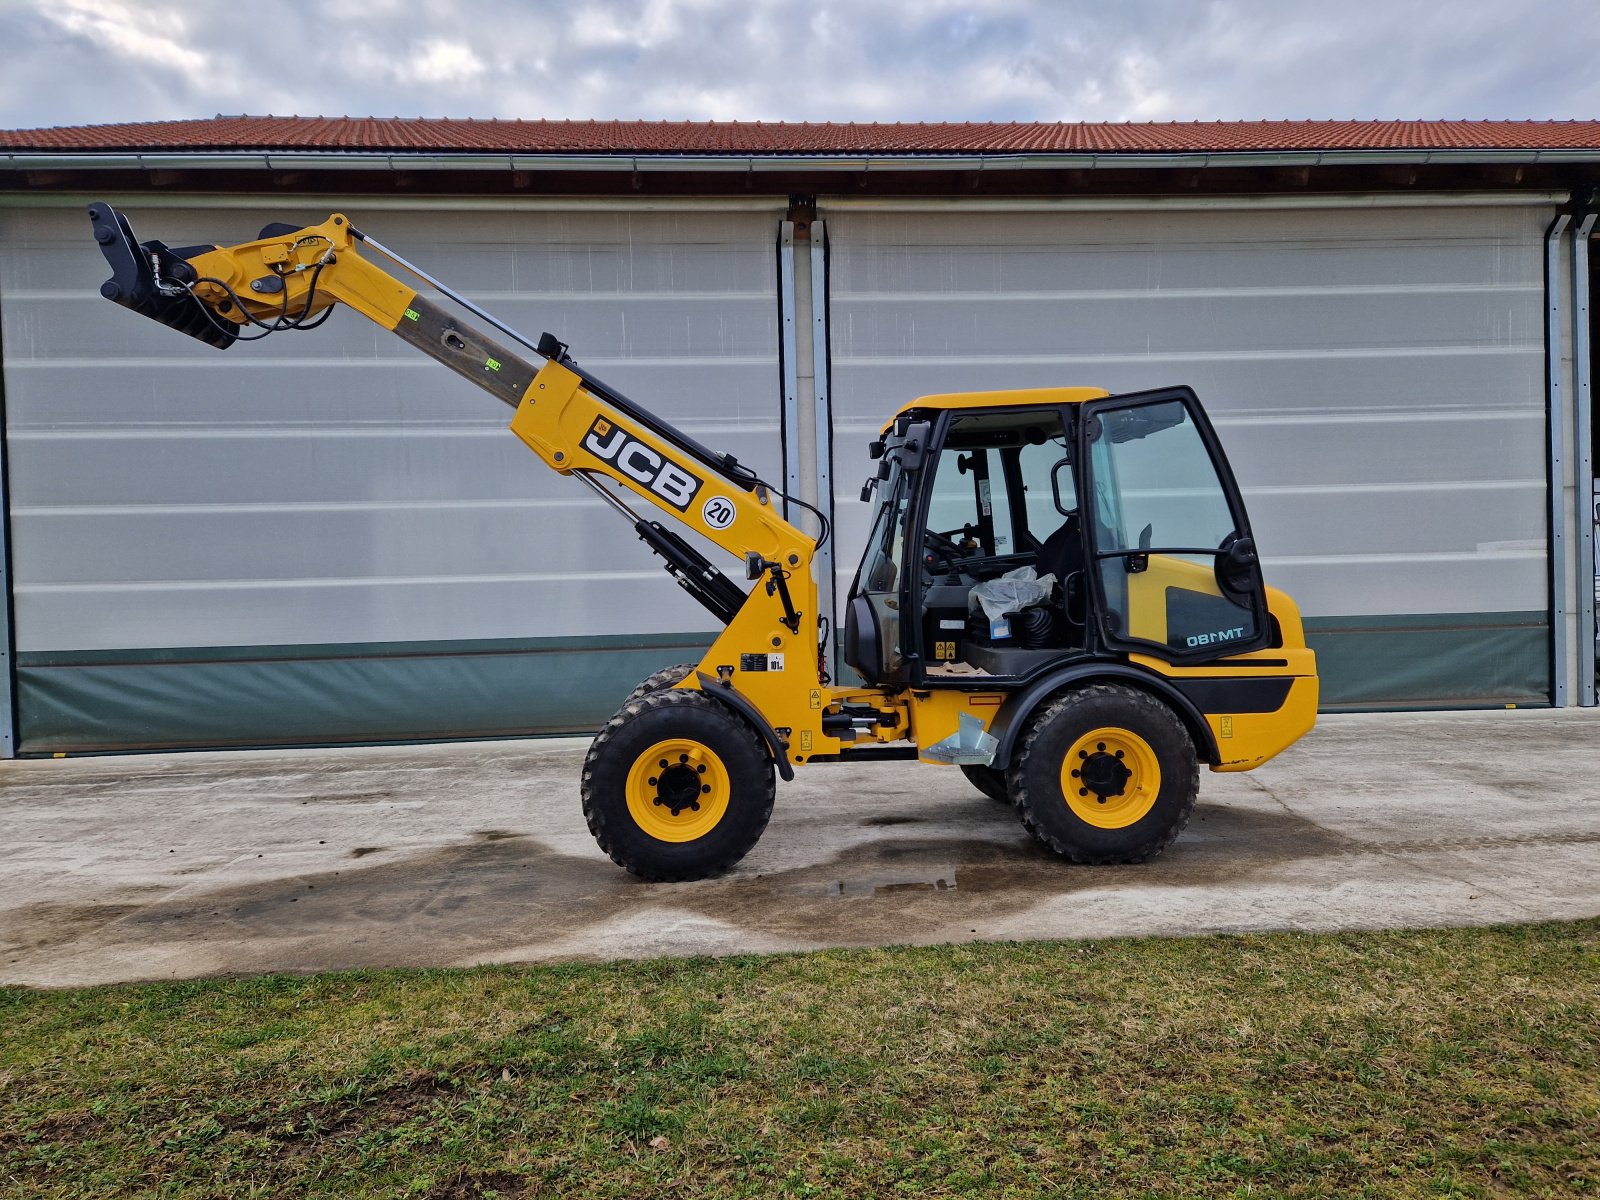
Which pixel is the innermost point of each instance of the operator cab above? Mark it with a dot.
(1017, 531)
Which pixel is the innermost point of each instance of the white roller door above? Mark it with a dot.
(335, 486)
(1376, 373)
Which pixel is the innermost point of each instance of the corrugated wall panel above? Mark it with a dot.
(1376, 374)
(338, 488)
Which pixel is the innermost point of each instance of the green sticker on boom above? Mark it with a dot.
(492, 364)
(413, 315)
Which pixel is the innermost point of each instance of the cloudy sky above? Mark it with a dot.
(69, 62)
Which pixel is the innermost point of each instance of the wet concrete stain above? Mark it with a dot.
(930, 860)
(44, 926)
(504, 889)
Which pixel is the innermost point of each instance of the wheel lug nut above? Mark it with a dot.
(653, 781)
(704, 788)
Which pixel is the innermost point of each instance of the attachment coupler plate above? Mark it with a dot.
(153, 280)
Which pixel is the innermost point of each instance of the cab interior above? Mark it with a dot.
(1002, 495)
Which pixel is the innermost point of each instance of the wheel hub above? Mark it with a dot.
(1102, 772)
(678, 786)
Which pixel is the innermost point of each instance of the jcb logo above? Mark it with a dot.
(615, 445)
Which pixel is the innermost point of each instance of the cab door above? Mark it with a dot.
(1174, 566)
(873, 635)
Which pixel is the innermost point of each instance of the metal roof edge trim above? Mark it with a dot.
(1244, 202)
(773, 204)
(323, 202)
(750, 163)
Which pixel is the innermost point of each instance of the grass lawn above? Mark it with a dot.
(1437, 1063)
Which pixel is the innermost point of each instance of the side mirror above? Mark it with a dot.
(915, 450)
(1236, 565)
(1140, 562)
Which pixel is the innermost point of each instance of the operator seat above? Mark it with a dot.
(1062, 552)
(1061, 555)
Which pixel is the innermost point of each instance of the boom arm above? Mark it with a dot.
(290, 277)
(768, 657)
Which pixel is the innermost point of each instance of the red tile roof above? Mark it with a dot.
(454, 135)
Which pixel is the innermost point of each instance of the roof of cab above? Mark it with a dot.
(1012, 399)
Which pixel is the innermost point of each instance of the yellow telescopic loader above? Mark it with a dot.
(1060, 593)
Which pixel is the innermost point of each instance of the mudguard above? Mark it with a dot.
(1012, 719)
(743, 705)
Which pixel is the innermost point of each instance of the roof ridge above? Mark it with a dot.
(662, 136)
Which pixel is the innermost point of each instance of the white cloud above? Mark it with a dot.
(873, 60)
(137, 33)
(444, 62)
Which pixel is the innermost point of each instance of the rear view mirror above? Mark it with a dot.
(915, 450)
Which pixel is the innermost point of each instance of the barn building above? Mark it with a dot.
(330, 539)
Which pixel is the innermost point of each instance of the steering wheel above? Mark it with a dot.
(942, 546)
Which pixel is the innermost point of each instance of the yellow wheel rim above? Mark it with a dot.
(1110, 778)
(678, 790)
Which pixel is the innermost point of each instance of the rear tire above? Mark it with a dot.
(677, 787)
(658, 681)
(991, 781)
(1106, 774)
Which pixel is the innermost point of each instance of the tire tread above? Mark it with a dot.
(594, 813)
(659, 680)
(1024, 800)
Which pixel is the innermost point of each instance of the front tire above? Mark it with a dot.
(677, 787)
(1106, 774)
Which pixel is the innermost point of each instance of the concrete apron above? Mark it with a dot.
(180, 865)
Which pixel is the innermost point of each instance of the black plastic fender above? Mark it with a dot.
(743, 705)
(1012, 719)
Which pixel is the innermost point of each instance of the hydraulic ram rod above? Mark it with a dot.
(446, 290)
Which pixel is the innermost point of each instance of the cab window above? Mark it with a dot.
(1003, 497)
(1175, 567)
(969, 507)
